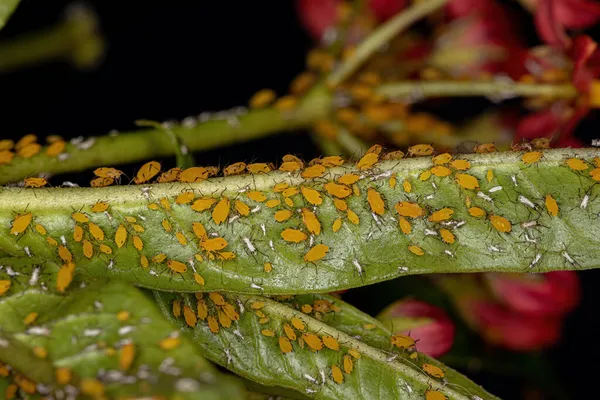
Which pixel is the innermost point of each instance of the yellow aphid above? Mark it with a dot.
(307, 308)
(189, 316)
(159, 258)
(447, 236)
(107, 172)
(476, 212)
(441, 159)
(577, 164)
(225, 255)
(408, 209)
(434, 395)
(441, 171)
(367, 161)
(185, 198)
(331, 343)
(313, 341)
(217, 298)
(283, 215)
(120, 236)
(64, 277)
(199, 230)
(290, 166)
(203, 204)
(311, 195)
(63, 376)
(105, 249)
(123, 315)
(65, 254)
(461, 165)
(30, 318)
(6, 144)
(302, 83)
(176, 308)
(420, 150)
(348, 364)
(289, 192)
(214, 244)
(425, 175)
(213, 325)
(485, 148)
(285, 345)
(20, 223)
(130, 219)
(314, 171)
(88, 249)
(433, 370)
(375, 201)
(29, 151)
(96, 231)
(24, 141)
(532, 157)
(441, 215)
(147, 172)
(242, 208)
(285, 103)
(348, 179)
(289, 332)
(181, 238)
(52, 241)
(258, 168)
(177, 266)
(40, 229)
(416, 250)
(595, 174)
(402, 341)
(166, 225)
(101, 182)
(310, 220)
(489, 175)
(169, 343)
(40, 352)
(336, 372)
(267, 332)
(268, 267)
(337, 190)
(297, 323)
(551, 205)
(353, 217)
(80, 217)
(256, 196)
(332, 161)
(393, 181)
(224, 320)
(6, 156)
(262, 98)
(100, 207)
(405, 226)
(165, 203)
(337, 225)
(354, 353)
(126, 356)
(229, 310)
(273, 203)
(340, 204)
(202, 309)
(316, 253)
(234, 169)
(144, 261)
(467, 181)
(171, 175)
(500, 223)
(34, 182)
(137, 243)
(293, 235)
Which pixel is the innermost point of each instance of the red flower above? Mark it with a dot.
(539, 295)
(514, 331)
(318, 15)
(427, 324)
(385, 9)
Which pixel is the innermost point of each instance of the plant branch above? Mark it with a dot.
(382, 35)
(7, 7)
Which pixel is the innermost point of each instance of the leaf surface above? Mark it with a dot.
(7, 7)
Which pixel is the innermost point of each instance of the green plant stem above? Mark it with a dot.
(382, 35)
(402, 90)
(76, 39)
(7, 7)
(144, 144)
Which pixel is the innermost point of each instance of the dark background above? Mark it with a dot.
(168, 60)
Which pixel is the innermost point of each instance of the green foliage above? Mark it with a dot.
(7, 7)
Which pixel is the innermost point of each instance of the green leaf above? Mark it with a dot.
(516, 233)
(251, 347)
(90, 333)
(7, 7)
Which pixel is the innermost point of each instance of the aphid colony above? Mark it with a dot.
(302, 210)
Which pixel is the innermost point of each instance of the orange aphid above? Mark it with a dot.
(441, 159)
(213, 325)
(100, 207)
(199, 279)
(416, 250)
(302, 83)
(408, 209)
(176, 308)
(171, 175)
(337, 375)
(40, 229)
(433, 370)
(447, 236)
(291, 166)
(500, 223)
(289, 332)
(63, 376)
(348, 179)
(353, 217)
(551, 205)
(284, 344)
(190, 317)
(268, 333)
(337, 190)
(283, 215)
(224, 320)
(310, 220)
(35, 182)
(165, 203)
(169, 343)
(30, 318)
(29, 150)
(256, 196)
(316, 253)
(6, 144)
(461, 165)
(467, 181)
(258, 168)
(159, 258)
(348, 364)
(221, 211)
(297, 323)
(402, 341)
(202, 309)
(337, 225)
(340, 204)
(489, 175)
(441, 215)
(375, 201)
(332, 161)
(166, 225)
(485, 148)
(101, 182)
(80, 217)
(313, 341)
(234, 169)
(293, 235)
(272, 203)
(405, 226)
(108, 172)
(577, 164)
(105, 249)
(203, 204)
(393, 180)
(595, 174)
(289, 192)
(242, 208)
(311, 195)
(532, 157)
(120, 236)
(262, 98)
(147, 172)
(184, 198)
(25, 140)
(126, 356)
(20, 223)
(88, 249)
(177, 266)
(64, 277)
(6, 156)
(214, 244)
(476, 212)
(367, 161)
(314, 171)
(4, 286)
(285, 103)
(331, 343)
(268, 267)
(65, 254)
(434, 395)
(441, 171)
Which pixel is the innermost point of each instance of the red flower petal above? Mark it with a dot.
(577, 14)
(385, 9)
(582, 50)
(317, 15)
(543, 123)
(548, 24)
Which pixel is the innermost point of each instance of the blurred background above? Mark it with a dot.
(171, 61)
